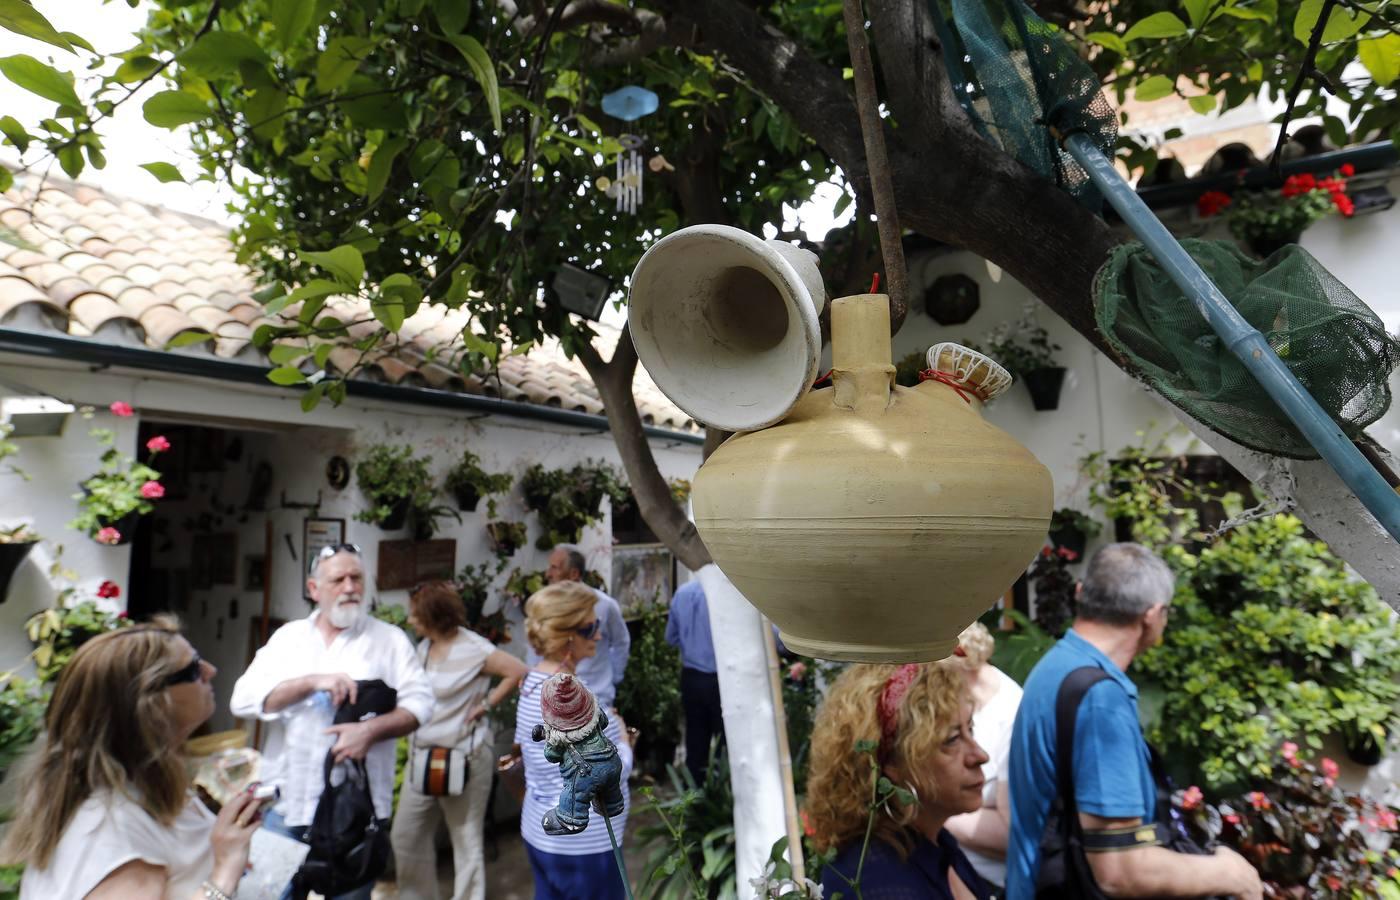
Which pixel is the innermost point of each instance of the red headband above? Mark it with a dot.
(891, 696)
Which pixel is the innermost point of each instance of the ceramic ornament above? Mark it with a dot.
(869, 521)
(573, 733)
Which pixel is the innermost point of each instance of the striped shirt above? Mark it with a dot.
(543, 784)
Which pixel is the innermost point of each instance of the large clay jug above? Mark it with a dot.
(875, 522)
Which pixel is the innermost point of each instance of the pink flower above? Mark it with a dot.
(121, 409)
(157, 444)
(1289, 752)
(1067, 554)
(1259, 800)
(1330, 770)
(108, 535)
(108, 590)
(1386, 819)
(1232, 818)
(152, 490)
(1191, 798)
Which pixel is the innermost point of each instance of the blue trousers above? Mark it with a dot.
(560, 877)
(273, 821)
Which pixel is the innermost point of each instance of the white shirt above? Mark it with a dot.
(295, 752)
(543, 782)
(458, 684)
(110, 830)
(991, 725)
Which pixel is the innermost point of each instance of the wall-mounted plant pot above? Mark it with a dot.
(126, 527)
(1044, 385)
(398, 515)
(11, 555)
(1365, 749)
(1264, 247)
(467, 498)
(1071, 539)
(505, 540)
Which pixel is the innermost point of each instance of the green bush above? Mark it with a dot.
(1271, 639)
(649, 697)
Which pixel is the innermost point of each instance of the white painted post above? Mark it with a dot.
(751, 736)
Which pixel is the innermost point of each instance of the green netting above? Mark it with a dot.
(1332, 342)
(1021, 83)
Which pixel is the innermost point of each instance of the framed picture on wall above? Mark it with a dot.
(643, 575)
(317, 534)
(253, 567)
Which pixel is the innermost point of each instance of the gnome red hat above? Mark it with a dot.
(566, 704)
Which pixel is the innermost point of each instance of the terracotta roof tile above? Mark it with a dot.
(131, 272)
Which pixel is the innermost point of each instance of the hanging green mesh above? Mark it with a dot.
(1020, 82)
(1332, 342)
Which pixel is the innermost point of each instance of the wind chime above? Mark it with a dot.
(630, 104)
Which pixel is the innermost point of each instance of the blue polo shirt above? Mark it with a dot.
(1112, 769)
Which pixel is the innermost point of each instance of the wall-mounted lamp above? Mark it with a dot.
(35, 416)
(580, 291)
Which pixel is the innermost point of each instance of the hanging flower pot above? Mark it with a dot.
(1365, 749)
(1044, 386)
(398, 514)
(116, 532)
(506, 537)
(467, 497)
(11, 555)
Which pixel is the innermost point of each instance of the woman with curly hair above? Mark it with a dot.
(919, 718)
(107, 811)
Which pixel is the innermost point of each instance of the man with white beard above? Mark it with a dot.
(306, 670)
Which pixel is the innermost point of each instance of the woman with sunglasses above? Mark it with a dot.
(107, 811)
(562, 626)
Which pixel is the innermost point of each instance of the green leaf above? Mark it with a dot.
(290, 19)
(7, 179)
(382, 164)
(1341, 24)
(37, 78)
(164, 172)
(187, 338)
(15, 132)
(1381, 57)
(1259, 13)
(1202, 103)
(1196, 11)
(375, 110)
(478, 344)
(21, 18)
(70, 160)
(78, 40)
(171, 109)
(285, 375)
(1157, 25)
(404, 289)
(323, 353)
(1109, 40)
(218, 54)
(135, 68)
(282, 354)
(264, 112)
(452, 15)
(344, 262)
(482, 70)
(460, 286)
(389, 311)
(312, 398)
(1154, 88)
(339, 61)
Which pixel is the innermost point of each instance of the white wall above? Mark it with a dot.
(298, 445)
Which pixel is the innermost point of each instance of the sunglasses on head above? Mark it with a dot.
(589, 632)
(332, 549)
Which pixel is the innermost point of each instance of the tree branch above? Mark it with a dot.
(1307, 69)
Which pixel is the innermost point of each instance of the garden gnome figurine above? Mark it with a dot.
(573, 734)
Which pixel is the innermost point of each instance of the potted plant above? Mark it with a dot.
(395, 481)
(474, 583)
(1025, 349)
(1269, 220)
(120, 492)
(520, 585)
(569, 500)
(1072, 529)
(15, 544)
(506, 537)
(468, 482)
(1054, 589)
(425, 519)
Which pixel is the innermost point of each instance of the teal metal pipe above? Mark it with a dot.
(1243, 339)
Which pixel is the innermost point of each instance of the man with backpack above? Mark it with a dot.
(336, 688)
(1088, 798)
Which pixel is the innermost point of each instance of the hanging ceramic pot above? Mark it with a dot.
(875, 522)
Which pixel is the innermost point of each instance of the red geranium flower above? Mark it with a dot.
(1343, 204)
(1191, 798)
(108, 535)
(1259, 800)
(1301, 183)
(1067, 554)
(1211, 202)
(152, 490)
(1330, 770)
(157, 444)
(1347, 170)
(121, 409)
(108, 590)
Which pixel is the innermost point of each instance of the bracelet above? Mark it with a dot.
(214, 892)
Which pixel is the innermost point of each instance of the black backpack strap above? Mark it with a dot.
(1072, 691)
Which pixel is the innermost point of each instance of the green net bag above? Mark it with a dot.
(1335, 346)
(1020, 82)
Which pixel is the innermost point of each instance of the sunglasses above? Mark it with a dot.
(589, 632)
(190, 673)
(332, 549)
